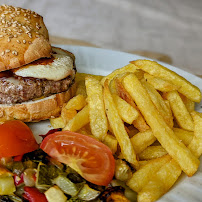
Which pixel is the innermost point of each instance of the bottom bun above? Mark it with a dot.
(34, 111)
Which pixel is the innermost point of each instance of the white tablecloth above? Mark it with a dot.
(173, 27)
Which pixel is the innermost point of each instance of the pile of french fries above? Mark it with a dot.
(145, 113)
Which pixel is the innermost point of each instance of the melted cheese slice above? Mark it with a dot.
(60, 68)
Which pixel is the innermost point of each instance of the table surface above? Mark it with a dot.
(168, 29)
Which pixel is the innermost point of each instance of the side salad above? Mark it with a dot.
(66, 166)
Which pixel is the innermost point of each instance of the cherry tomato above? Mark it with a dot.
(90, 158)
(16, 138)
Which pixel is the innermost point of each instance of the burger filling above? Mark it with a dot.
(43, 77)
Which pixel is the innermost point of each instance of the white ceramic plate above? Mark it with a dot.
(102, 62)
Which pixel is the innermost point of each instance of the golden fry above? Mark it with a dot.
(162, 181)
(160, 84)
(81, 88)
(67, 114)
(159, 103)
(98, 119)
(127, 113)
(127, 68)
(185, 87)
(196, 144)
(152, 152)
(80, 120)
(118, 127)
(142, 176)
(81, 77)
(142, 140)
(188, 162)
(111, 142)
(190, 105)
(184, 135)
(57, 122)
(180, 111)
(77, 102)
(139, 123)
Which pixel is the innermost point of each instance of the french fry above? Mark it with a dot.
(77, 102)
(190, 105)
(196, 144)
(57, 122)
(152, 152)
(80, 120)
(159, 103)
(142, 176)
(143, 163)
(142, 140)
(127, 68)
(67, 114)
(127, 113)
(111, 142)
(185, 87)
(180, 111)
(139, 123)
(81, 77)
(164, 134)
(85, 130)
(160, 84)
(118, 127)
(98, 119)
(162, 181)
(81, 88)
(184, 135)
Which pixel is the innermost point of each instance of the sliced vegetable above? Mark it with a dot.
(122, 171)
(16, 139)
(67, 186)
(34, 195)
(88, 193)
(45, 175)
(90, 158)
(55, 194)
(18, 179)
(7, 186)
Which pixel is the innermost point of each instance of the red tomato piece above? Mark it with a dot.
(16, 138)
(32, 194)
(90, 158)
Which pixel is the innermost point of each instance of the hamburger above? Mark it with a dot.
(36, 79)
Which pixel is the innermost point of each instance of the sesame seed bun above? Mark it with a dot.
(23, 37)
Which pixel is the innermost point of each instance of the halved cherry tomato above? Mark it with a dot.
(16, 138)
(90, 158)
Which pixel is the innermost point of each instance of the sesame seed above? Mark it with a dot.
(15, 35)
(18, 41)
(30, 42)
(9, 40)
(24, 41)
(1, 36)
(14, 52)
(7, 50)
(2, 53)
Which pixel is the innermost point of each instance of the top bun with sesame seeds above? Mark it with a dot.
(23, 37)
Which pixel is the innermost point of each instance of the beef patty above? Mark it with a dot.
(20, 89)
